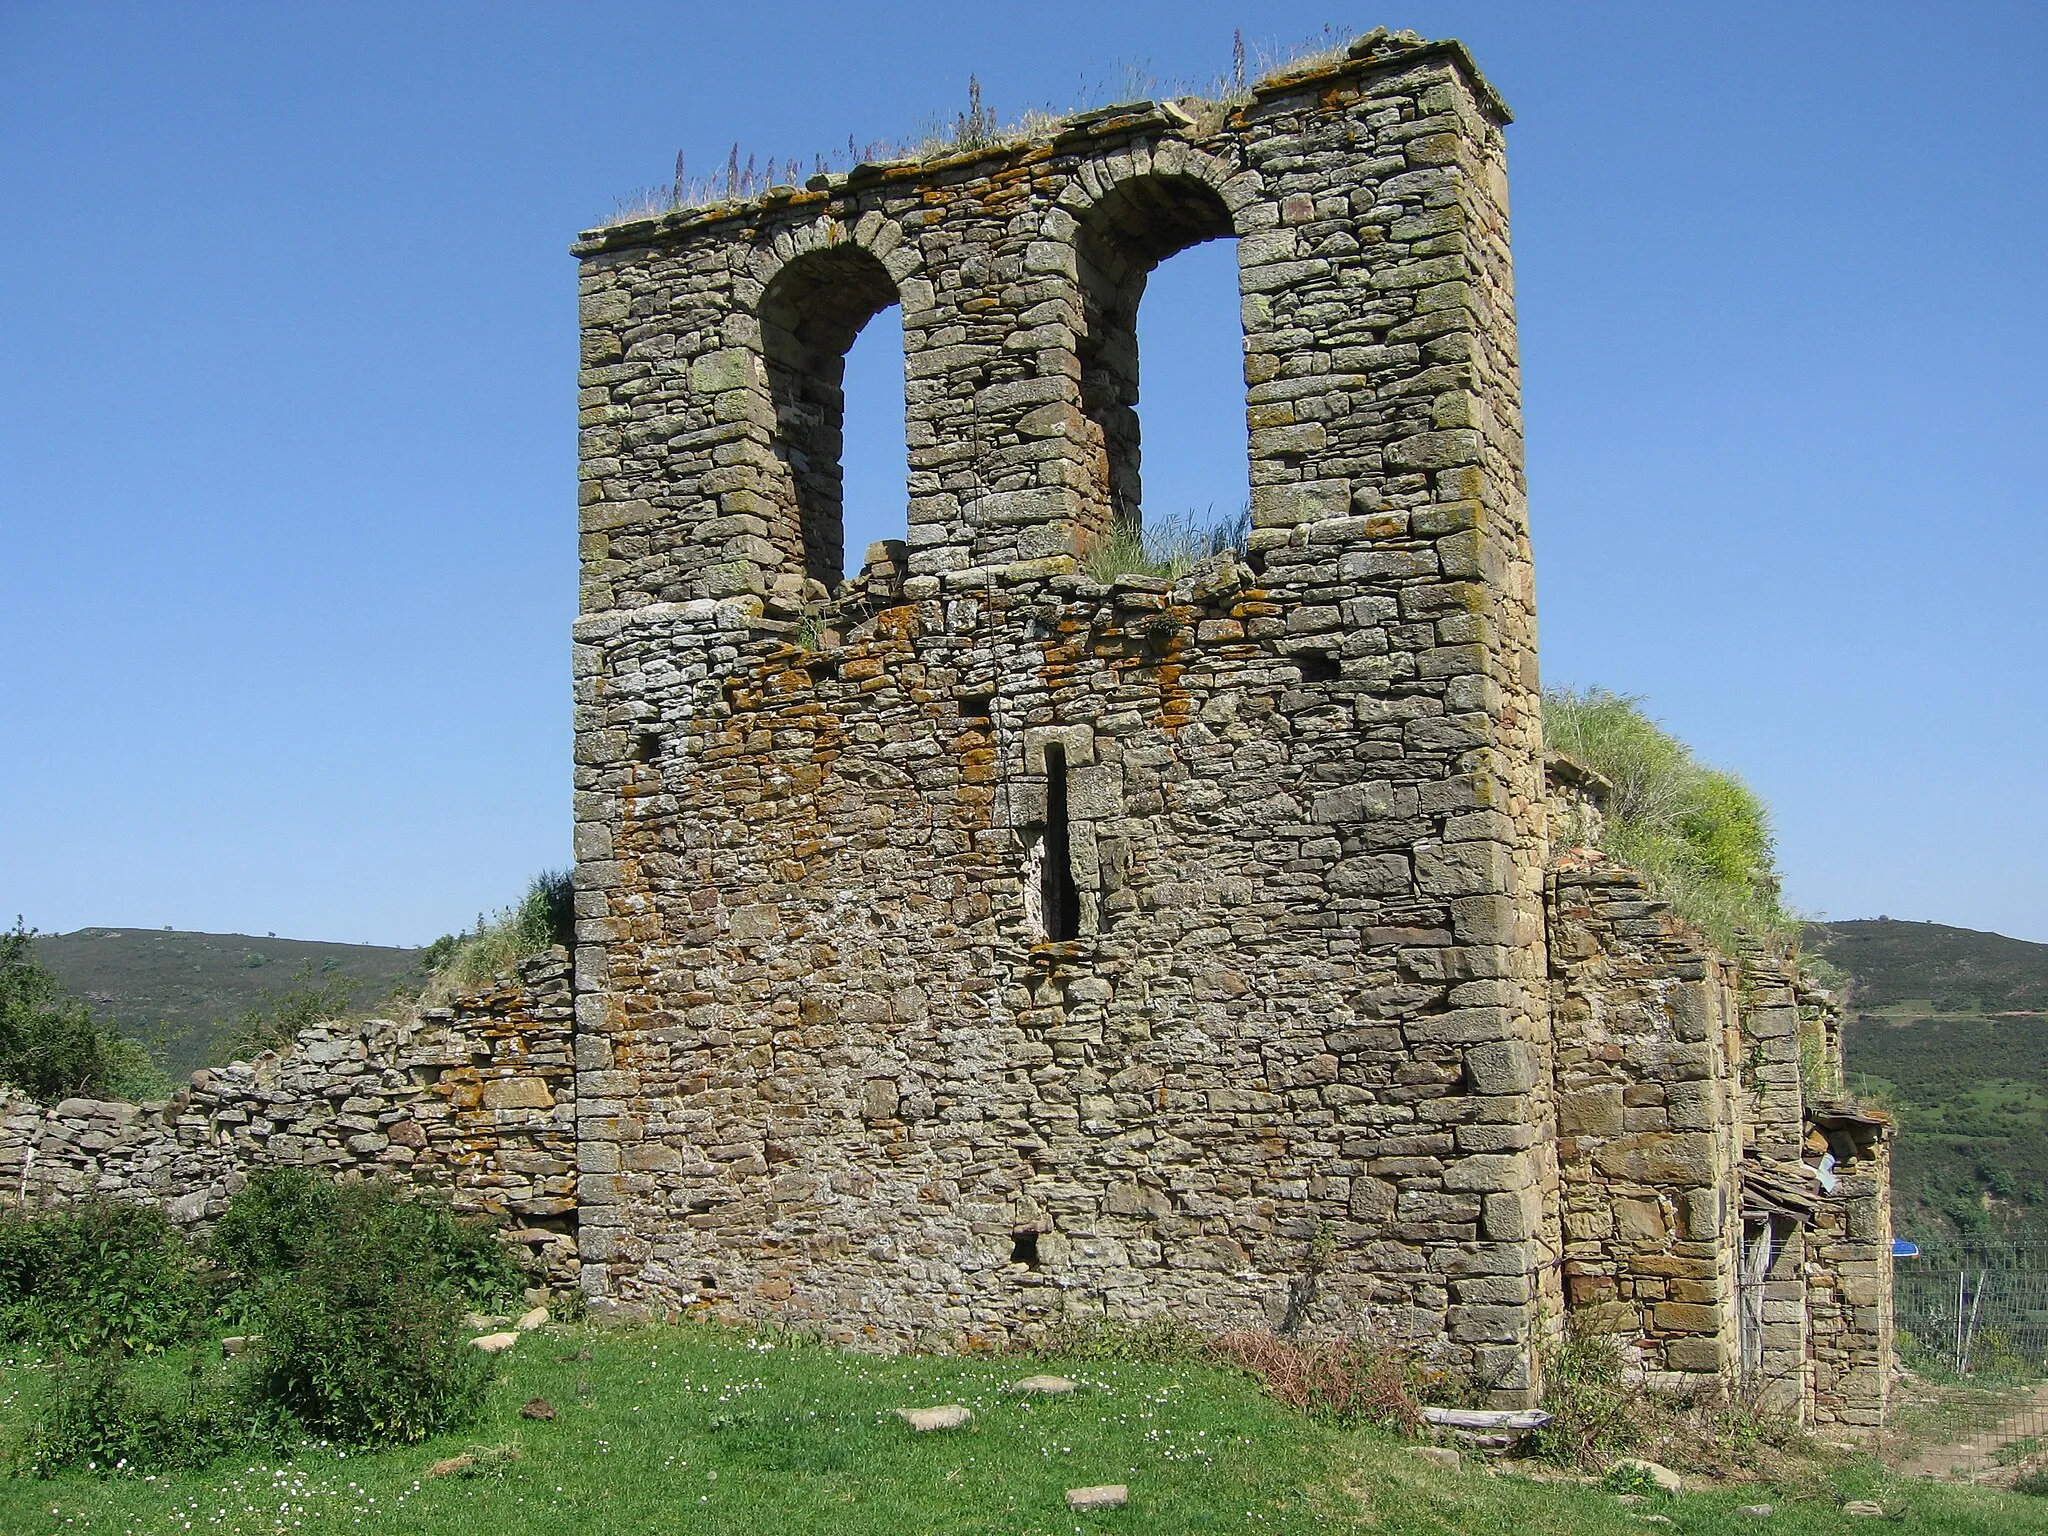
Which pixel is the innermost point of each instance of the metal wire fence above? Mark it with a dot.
(1973, 1328)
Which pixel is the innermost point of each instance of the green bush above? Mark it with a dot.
(313, 998)
(363, 1340)
(356, 1297)
(102, 1277)
(1596, 1411)
(51, 1047)
(97, 1415)
(1701, 837)
(286, 1219)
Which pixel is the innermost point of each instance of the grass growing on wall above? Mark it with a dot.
(545, 916)
(1698, 834)
(1167, 547)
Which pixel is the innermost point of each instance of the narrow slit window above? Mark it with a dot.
(1059, 902)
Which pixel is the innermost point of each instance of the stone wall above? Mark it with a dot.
(1019, 943)
(1849, 1272)
(1726, 1209)
(973, 943)
(472, 1098)
(1649, 1139)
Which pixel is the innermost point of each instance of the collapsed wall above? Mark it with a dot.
(1648, 1050)
(978, 941)
(1726, 1209)
(472, 1099)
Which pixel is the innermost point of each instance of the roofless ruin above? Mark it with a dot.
(972, 944)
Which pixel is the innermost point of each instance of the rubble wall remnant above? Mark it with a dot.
(474, 1099)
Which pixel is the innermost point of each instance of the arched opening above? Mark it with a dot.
(810, 314)
(875, 459)
(1137, 225)
(1192, 416)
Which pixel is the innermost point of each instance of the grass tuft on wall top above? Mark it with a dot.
(1699, 835)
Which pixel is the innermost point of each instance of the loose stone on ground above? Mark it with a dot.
(944, 1416)
(1667, 1481)
(1108, 1496)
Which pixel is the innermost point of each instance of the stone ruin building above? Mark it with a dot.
(972, 945)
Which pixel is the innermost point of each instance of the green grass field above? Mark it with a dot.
(666, 1431)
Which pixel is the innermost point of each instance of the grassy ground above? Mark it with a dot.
(661, 1432)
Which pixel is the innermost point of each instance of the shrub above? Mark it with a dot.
(103, 1276)
(1601, 1411)
(1701, 837)
(1346, 1381)
(96, 1415)
(286, 1218)
(51, 1047)
(363, 1339)
(358, 1297)
(544, 917)
(313, 998)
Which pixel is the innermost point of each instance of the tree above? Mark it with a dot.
(51, 1047)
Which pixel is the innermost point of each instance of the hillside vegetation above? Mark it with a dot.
(201, 999)
(1934, 969)
(1947, 1026)
(186, 994)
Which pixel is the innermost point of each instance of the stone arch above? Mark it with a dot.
(874, 232)
(820, 285)
(1121, 217)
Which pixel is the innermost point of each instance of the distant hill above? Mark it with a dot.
(181, 992)
(1946, 970)
(1951, 1026)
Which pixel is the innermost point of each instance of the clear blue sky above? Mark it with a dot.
(287, 367)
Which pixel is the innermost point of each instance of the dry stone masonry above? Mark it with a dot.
(474, 1099)
(973, 944)
(1008, 943)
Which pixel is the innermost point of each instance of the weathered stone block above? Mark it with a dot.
(517, 1093)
